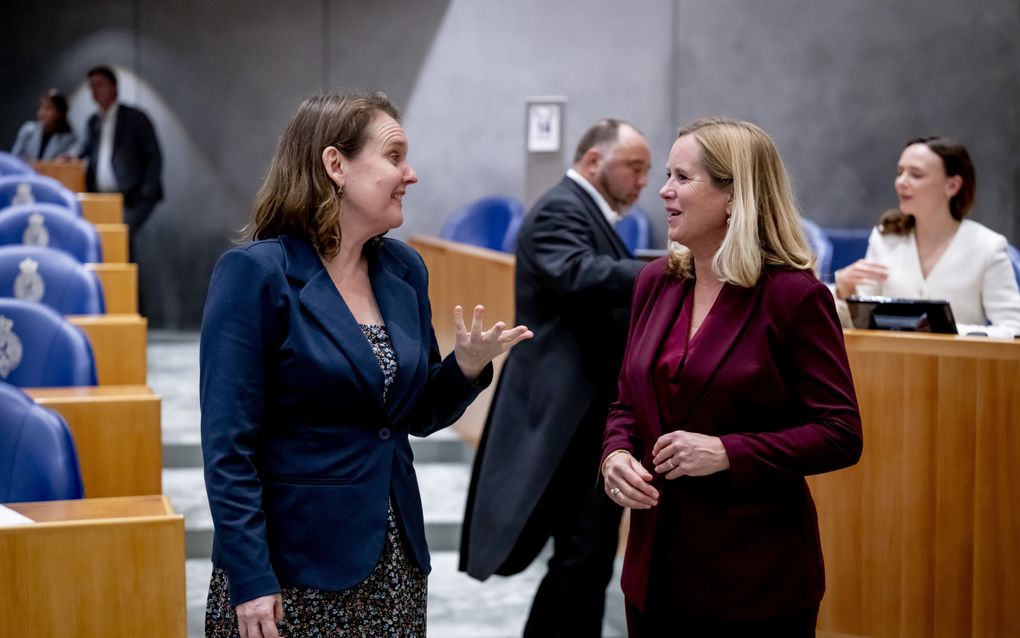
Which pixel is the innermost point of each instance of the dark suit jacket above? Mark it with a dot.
(301, 455)
(574, 278)
(137, 159)
(770, 376)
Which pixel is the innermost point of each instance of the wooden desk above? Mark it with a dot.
(102, 208)
(119, 346)
(460, 274)
(120, 286)
(70, 173)
(922, 537)
(105, 568)
(114, 240)
(117, 433)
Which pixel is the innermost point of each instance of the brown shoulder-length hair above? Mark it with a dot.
(956, 161)
(298, 196)
(764, 225)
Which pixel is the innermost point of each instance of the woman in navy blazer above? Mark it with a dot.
(734, 387)
(318, 359)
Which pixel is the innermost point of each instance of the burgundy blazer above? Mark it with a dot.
(769, 375)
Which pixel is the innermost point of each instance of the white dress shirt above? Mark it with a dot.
(611, 215)
(974, 275)
(106, 181)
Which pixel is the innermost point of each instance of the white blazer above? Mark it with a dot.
(29, 139)
(974, 274)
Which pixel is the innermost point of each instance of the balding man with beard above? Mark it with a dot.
(536, 470)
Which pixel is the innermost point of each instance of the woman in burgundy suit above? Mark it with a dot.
(735, 386)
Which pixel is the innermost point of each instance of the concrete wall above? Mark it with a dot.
(839, 84)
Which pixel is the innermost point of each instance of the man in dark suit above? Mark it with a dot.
(536, 470)
(122, 151)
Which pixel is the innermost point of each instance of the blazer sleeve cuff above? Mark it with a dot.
(246, 589)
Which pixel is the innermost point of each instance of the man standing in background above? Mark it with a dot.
(536, 469)
(122, 151)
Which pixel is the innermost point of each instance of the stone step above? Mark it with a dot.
(442, 447)
(443, 487)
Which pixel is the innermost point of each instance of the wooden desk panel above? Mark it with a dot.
(119, 346)
(920, 537)
(114, 240)
(120, 286)
(70, 173)
(94, 568)
(460, 274)
(117, 433)
(102, 208)
(468, 276)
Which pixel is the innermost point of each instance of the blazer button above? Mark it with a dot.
(384, 433)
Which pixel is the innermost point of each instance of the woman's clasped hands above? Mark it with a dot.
(675, 454)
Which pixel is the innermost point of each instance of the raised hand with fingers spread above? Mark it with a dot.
(476, 347)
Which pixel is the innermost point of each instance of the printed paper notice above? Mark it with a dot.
(543, 128)
(10, 517)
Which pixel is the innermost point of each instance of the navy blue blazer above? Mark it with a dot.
(301, 454)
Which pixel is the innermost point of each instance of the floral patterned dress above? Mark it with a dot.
(390, 603)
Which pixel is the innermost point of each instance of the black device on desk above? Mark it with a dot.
(911, 315)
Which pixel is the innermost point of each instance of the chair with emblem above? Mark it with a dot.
(52, 277)
(28, 189)
(38, 459)
(50, 225)
(39, 348)
(11, 164)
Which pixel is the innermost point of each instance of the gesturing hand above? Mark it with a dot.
(861, 271)
(474, 349)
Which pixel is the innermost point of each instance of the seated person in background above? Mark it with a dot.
(927, 250)
(50, 135)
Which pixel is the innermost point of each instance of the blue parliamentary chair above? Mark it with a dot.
(634, 229)
(52, 277)
(53, 226)
(38, 460)
(487, 222)
(39, 348)
(11, 164)
(36, 188)
(821, 247)
(848, 245)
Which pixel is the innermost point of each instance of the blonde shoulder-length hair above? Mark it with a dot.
(764, 224)
(298, 197)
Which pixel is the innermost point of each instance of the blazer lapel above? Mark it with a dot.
(323, 302)
(398, 303)
(599, 222)
(656, 318)
(719, 331)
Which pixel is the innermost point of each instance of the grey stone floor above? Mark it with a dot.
(459, 607)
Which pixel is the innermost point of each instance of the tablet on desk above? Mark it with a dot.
(911, 315)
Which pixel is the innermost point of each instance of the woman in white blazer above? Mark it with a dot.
(927, 250)
(49, 136)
